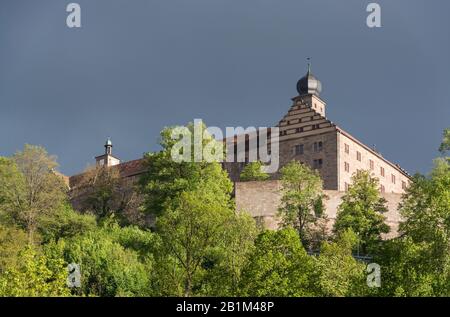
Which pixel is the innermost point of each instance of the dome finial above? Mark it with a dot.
(308, 84)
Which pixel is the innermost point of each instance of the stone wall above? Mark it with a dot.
(261, 200)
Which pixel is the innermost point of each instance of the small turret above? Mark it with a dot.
(107, 159)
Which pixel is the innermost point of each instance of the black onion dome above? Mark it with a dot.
(309, 84)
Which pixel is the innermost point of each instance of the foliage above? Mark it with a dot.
(192, 229)
(426, 206)
(407, 269)
(30, 188)
(362, 210)
(201, 246)
(12, 241)
(253, 172)
(107, 267)
(338, 272)
(65, 223)
(418, 263)
(165, 178)
(301, 202)
(35, 275)
(224, 264)
(102, 191)
(445, 145)
(278, 266)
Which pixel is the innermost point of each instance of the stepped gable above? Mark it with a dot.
(303, 119)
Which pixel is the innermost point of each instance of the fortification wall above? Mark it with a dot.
(261, 200)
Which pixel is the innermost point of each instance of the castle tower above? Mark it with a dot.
(309, 89)
(107, 159)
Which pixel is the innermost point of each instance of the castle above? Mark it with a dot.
(306, 135)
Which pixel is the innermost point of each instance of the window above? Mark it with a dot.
(298, 149)
(403, 185)
(382, 189)
(358, 156)
(371, 165)
(347, 148)
(299, 130)
(318, 146)
(318, 163)
(315, 126)
(283, 133)
(393, 178)
(346, 167)
(382, 171)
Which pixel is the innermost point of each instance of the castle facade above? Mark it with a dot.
(306, 135)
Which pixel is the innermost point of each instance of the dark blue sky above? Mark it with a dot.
(136, 66)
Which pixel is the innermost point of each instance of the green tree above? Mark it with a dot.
(278, 266)
(191, 230)
(253, 172)
(65, 223)
(224, 264)
(362, 210)
(12, 241)
(107, 267)
(11, 183)
(426, 206)
(445, 145)
(196, 220)
(36, 275)
(301, 202)
(337, 272)
(408, 270)
(166, 178)
(30, 188)
(419, 262)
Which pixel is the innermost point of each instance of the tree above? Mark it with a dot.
(253, 172)
(195, 220)
(12, 241)
(278, 266)
(102, 191)
(362, 210)
(425, 206)
(425, 209)
(65, 223)
(445, 145)
(30, 188)
(418, 262)
(301, 202)
(408, 270)
(165, 179)
(191, 230)
(107, 267)
(337, 272)
(11, 183)
(224, 263)
(35, 275)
